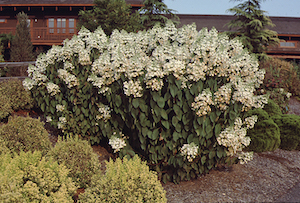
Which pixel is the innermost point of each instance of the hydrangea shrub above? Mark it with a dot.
(174, 96)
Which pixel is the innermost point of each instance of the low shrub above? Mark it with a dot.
(25, 134)
(29, 177)
(272, 108)
(265, 136)
(281, 98)
(19, 98)
(5, 107)
(3, 148)
(125, 181)
(78, 156)
(281, 74)
(289, 125)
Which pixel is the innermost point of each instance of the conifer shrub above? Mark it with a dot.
(29, 177)
(265, 136)
(174, 96)
(125, 181)
(14, 97)
(25, 134)
(289, 125)
(78, 156)
(272, 108)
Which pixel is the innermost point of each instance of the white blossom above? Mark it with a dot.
(104, 111)
(202, 103)
(117, 143)
(190, 151)
(133, 88)
(52, 88)
(28, 83)
(60, 108)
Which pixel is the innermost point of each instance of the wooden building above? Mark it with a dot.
(288, 29)
(50, 21)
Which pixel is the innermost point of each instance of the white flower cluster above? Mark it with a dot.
(202, 103)
(190, 151)
(28, 83)
(60, 108)
(68, 78)
(234, 137)
(117, 143)
(223, 96)
(48, 119)
(104, 111)
(61, 123)
(133, 88)
(52, 88)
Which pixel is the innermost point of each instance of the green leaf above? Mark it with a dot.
(218, 129)
(219, 154)
(173, 90)
(43, 107)
(164, 114)
(208, 129)
(118, 100)
(174, 121)
(203, 160)
(161, 102)
(143, 107)
(190, 138)
(155, 134)
(176, 136)
(177, 111)
(166, 124)
(232, 115)
(213, 116)
(135, 103)
(211, 154)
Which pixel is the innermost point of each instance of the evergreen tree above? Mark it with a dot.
(110, 15)
(21, 46)
(251, 26)
(155, 11)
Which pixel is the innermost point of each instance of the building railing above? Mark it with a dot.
(44, 35)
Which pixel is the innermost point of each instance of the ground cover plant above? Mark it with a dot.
(176, 97)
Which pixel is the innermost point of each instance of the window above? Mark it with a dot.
(51, 25)
(61, 25)
(288, 44)
(2, 20)
(71, 25)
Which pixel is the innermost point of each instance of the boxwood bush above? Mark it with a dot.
(125, 181)
(173, 96)
(265, 136)
(78, 156)
(289, 125)
(25, 134)
(14, 97)
(29, 177)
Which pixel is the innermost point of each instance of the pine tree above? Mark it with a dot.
(110, 15)
(251, 26)
(21, 46)
(155, 11)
